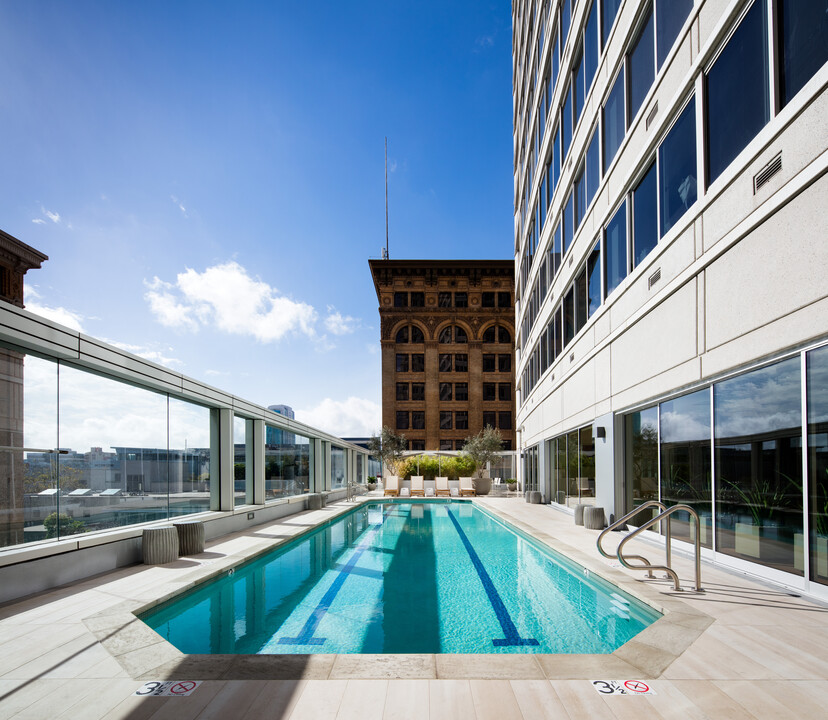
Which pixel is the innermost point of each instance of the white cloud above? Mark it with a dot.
(354, 417)
(226, 297)
(339, 324)
(180, 205)
(53, 216)
(39, 221)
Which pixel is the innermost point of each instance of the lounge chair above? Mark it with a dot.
(442, 486)
(417, 487)
(466, 486)
(392, 485)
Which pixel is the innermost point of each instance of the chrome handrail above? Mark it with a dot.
(621, 521)
(669, 570)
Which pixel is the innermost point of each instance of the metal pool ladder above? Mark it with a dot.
(665, 514)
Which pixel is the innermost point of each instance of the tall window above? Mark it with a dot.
(402, 362)
(677, 168)
(461, 391)
(402, 391)
(418, 391)
(445, 392)
(594, 278)
(641, 64)
(593, 167)
(609, 9)
(590, 46)
(818, 462)
(615, 250)
(758, 455)
(738, 102)
(644, 216)
(670, 16)
(613, 126)
(802, 31)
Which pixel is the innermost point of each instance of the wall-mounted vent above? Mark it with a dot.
(651, 116)
(572, 357)
(553, 376)
(766, 173)
(654, 278)
(571, 259)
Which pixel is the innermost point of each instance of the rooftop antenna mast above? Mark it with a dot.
(386, 197)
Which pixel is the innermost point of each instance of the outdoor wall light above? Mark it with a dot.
(601, 432)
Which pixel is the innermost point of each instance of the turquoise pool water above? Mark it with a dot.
(405, 577)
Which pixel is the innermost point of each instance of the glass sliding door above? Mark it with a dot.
(817, 379)
(641, 458)
(758, 448)
(685, 463)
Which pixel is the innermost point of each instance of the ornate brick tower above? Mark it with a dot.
(447, 334)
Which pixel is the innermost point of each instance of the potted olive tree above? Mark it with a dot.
(389, 447)
(482, 449)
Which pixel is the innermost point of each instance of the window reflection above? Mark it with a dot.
(677, 165)
(287, 462)
(818, 463)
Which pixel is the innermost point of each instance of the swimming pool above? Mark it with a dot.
(404, 577)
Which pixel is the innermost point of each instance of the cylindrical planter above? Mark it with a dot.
(535, 497)
(159, 545)
(594, 518)
(315, 501)
(579, 513)
(190, 537)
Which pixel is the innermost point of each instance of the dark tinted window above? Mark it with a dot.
(489, 419)
(594, 279)
(400, 299)
(461, 363)
(461, 420)
(461, 391)
(613, 121)
(644, 216)
(580, 300)
(738, 102)
(402, 420)
(577, 89)
(593, 167)
(569, 316)
(504, 363)
(641, 66)
(488, 392)
(677, 168)
(566, 122)
(489, 363)
(402, 363)
(488, 300)
(503, 335)
(418, 362)
(402, 391)
(504, 299)
(445, 363)
(504, 392)
(670, 16)
(418, 391)
(609, 9)
(461, 299)
(418, 420)
(416, 334)
(445, 419)
(445, 392)
(803, 43)
(489, 334)
(402, 335)
(568, 222)
(417, 299)
(504, 420)
(591, 46)
(615, 250)
(444, 299)
(418, 444)
(460, 335)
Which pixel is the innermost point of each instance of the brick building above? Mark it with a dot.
(447, 334)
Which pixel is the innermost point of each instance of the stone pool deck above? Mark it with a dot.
(742, 649)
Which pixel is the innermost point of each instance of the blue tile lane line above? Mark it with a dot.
(306, 636)
(512, 637)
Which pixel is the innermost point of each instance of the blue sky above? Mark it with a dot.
(207, 178)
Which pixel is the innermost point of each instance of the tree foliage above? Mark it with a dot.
(483, 447)
(389, 447)
(61, 525)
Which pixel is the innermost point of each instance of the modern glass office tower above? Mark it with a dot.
(671, 216)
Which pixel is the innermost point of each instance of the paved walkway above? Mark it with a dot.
(740, 650)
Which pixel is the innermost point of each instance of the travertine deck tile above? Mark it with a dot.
(406, 700)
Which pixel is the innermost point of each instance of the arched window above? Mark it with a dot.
(445, 335)
(417, 335)
(489, 334)
(503, 335)
(460, 335)
(402, 335)
(497, 334)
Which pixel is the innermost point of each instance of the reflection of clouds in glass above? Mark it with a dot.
(686, 419)
(818, 385)
(762, 401)
(105, 413)
(39, 403)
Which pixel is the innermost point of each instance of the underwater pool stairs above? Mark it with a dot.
(741, 649)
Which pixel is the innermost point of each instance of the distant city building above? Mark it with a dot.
(447, 337)
(277, 436)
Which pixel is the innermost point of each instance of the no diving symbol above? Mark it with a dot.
(160, 688)
(636, 686)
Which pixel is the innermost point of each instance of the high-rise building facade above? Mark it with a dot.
(671, 216)
(447, 333)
